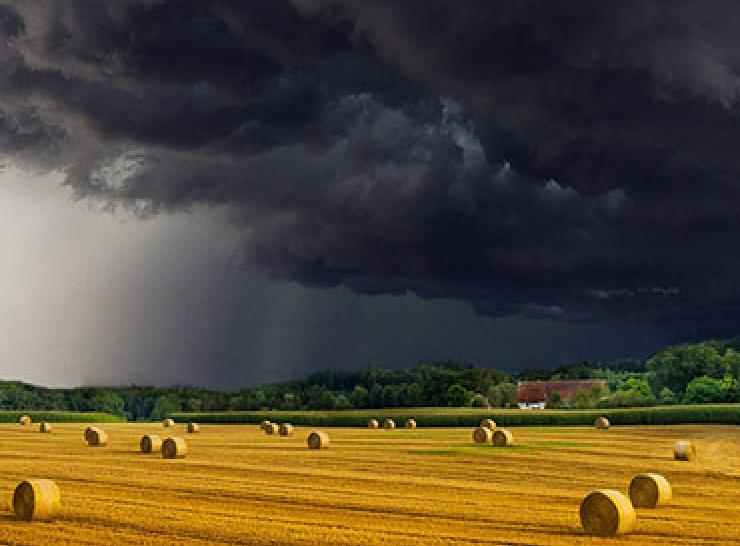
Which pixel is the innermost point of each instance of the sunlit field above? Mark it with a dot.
(415, 487)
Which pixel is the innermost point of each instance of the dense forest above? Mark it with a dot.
(690, 373)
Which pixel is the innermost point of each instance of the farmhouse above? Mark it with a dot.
(536, 394)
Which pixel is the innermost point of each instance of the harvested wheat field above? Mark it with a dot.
(423, 486)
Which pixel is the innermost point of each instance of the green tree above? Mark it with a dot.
(637, 385)
(342, 402)
(375, 396)
(360, 397)
(633, 390)
(108, 402)
(731, 362)
(495, 396)
(320, 397)
(391, 396)
(457, 395)
(733, 394)
(163, 407)
(291, 401)
(194, 404)
(509, 396)
(412, 395)
(555, 401)
(250, 400)
(667, 396)
(583, 400)
(480, 401)
(502, 395)
(674, 367)
(707, 389)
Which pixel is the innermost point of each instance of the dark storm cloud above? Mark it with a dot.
(561, 159)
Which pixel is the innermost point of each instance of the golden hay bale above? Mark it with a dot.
(193, 428)
(482, 435)
(174, 448)
(271, 429)
(167, 423)
(389, 424)
(150, 443)
(373, 423)
(410, 423)
(24, 420)
(488, 423)
(318, 440)
(607, 513)
(684, 451)
(264, 424)
(649, 491)
(36, 500)
(285, 429)
(96, 437)
(502, 438)
(602, 423)
(45, 427)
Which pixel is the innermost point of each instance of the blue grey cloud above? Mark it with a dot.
(557, 159)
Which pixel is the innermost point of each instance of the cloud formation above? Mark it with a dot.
(568, 159)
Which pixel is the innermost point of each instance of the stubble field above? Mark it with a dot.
(402, 487)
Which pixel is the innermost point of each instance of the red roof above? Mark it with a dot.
(532, 392)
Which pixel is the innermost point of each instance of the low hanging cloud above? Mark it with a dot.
(569, 159)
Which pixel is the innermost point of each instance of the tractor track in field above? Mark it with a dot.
(370, 488)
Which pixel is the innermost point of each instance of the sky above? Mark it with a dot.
(230, 193)
(94, 297)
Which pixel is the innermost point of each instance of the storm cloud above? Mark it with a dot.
(564, 159)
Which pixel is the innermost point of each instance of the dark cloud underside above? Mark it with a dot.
(566, 159)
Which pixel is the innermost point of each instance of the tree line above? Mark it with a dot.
(706, 372)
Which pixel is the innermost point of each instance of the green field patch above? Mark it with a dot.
(401, 447)
(462, 451)
(471, 417)
(451, 436)
(437, 452)
(8, 416)
(539, 445)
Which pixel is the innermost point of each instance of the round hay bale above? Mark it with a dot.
(174, 448)
(24, 420)
(36, 500)
(483, 435)
(488, 423)
(373, 423)
(607, 513)
(264, 424)
(389, 424)
(193, 428)
(45, 427)
(167, 423)
(285, 429)
(150, 443)
(502, 438)
(272, 429)
(602, 423)
(96, 437)
(410, 423)
(649, 491)
(684, 451)
(318, 440)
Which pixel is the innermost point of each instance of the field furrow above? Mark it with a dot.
(372, 487)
